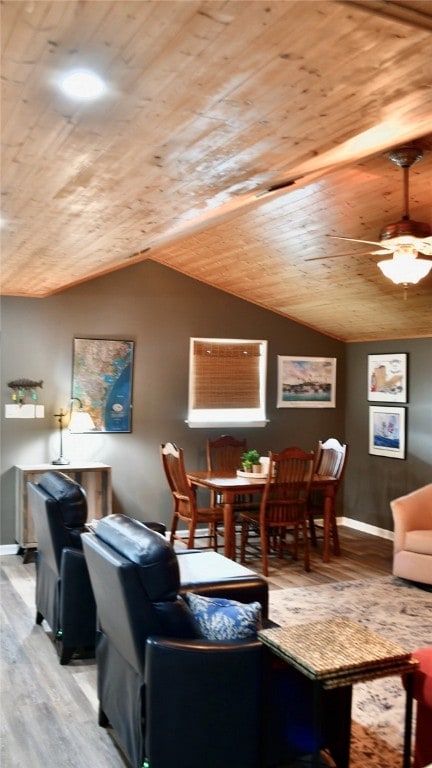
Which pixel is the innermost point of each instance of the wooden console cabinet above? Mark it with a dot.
(94, 477)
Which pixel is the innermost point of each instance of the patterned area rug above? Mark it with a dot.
(392, 608)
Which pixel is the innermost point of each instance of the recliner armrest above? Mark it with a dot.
(213, 575)
(247, 590)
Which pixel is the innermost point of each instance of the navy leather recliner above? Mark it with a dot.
(170, 696)
(64, 597)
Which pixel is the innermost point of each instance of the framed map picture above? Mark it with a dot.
(306, 382)
(387, 431)
(102, 380)
(387, 378)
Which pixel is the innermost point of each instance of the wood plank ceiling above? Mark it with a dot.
(209, 105)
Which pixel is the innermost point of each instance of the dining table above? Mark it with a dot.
(229, 484)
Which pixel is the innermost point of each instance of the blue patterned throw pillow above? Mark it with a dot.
(221, 619)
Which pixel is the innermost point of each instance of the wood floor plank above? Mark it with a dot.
(363, 557)
(47, 716)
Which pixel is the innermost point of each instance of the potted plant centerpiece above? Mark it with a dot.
(251, 461)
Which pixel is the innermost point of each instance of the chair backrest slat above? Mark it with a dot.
(331, 458)
(286, 493)
(225, 452)
(173, 463)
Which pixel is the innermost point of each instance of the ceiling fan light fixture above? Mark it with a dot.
(405, 267)
(404, 238)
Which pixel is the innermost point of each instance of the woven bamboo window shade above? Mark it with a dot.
(226, 374)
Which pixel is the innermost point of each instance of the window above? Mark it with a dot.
(227, 382)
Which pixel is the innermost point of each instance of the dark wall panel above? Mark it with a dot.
(371, 481)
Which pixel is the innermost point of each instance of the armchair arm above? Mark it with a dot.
(412, 512)
(208, 696)
(77, 603)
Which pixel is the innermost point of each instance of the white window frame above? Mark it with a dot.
(229, 417)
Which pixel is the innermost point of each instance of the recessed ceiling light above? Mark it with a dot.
(83, 84)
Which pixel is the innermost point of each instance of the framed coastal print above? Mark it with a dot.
(306, 382)
(387, 378)
(102, 380)
(387, 431)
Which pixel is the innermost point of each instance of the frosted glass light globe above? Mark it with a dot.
(83, 84)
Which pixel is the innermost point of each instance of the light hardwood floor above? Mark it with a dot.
(363, 557)
(49, 712)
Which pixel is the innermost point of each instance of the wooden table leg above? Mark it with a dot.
(327, 527)
(229, 527)
(329, 520)
(333, 524)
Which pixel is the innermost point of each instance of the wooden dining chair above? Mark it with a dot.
(224, 454)
(331, 460)
(283, 506)
(185, 506)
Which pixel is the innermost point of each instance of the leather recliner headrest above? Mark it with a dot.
(69, 495)
(157, 561)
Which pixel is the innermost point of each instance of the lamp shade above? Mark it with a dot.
(405, 267)
(81, 421)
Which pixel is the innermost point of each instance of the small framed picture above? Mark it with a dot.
(387, 431)
(387, 378)
(306, 382)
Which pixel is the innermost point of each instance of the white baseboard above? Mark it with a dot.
(373, 530)
(8, 549)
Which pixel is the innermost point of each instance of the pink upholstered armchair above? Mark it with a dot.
(412, 549)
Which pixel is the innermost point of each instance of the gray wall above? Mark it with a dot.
(160, 310)
(372, 480)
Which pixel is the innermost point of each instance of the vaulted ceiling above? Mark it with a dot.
(234, 139)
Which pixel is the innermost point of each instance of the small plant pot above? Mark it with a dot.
(256, 468)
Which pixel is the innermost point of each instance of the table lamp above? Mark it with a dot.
(80, 421)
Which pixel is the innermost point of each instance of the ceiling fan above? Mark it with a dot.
(405, 238)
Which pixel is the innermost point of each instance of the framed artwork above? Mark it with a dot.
(387, 431)
(306, 382)
(387, 378)
(102, 380)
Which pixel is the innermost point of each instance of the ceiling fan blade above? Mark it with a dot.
(355, 240)
(363, 253)
(338, 255)
(403, 238)
(425, 246)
